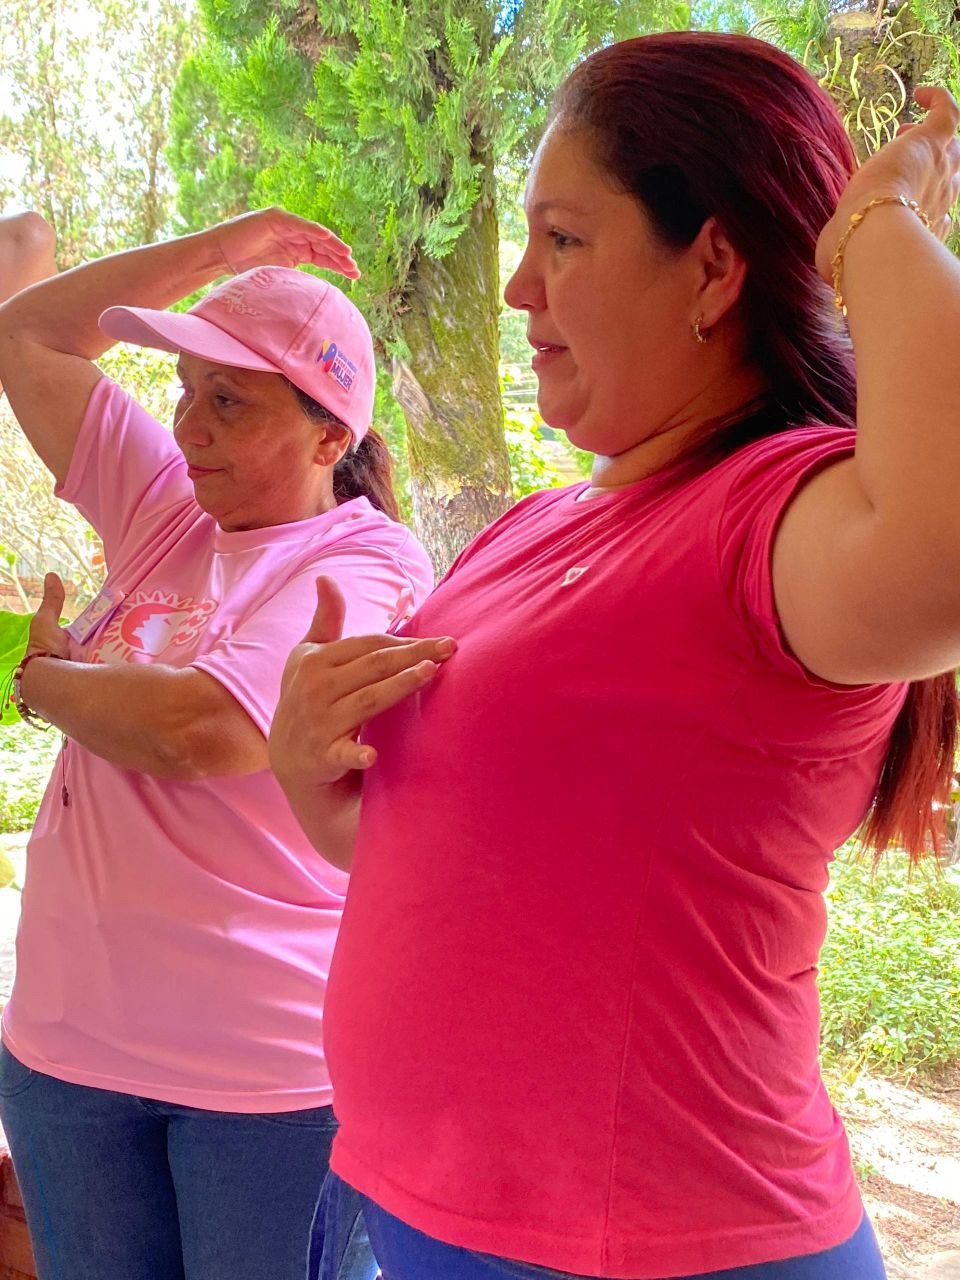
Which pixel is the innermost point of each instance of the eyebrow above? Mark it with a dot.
(218, 373)
(543, 206)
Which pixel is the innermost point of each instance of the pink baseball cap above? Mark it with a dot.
(275, 319)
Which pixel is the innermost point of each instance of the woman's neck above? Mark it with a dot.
(665, 445)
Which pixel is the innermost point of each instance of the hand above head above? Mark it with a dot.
(922, 163)
(273, 237)
(46, 634)
(332, 686)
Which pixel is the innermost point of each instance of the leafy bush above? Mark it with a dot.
(26, 759)
(890, 968)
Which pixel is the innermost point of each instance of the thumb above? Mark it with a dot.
(54, 596)
(327, 623)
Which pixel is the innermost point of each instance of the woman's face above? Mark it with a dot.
(609, 309)
(253, 455)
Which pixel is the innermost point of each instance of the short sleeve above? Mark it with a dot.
(760, 483)
(380, 589)
(788, 705)
(126, 469)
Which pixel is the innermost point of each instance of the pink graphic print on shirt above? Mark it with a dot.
(148, 624)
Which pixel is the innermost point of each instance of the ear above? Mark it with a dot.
(333, 443)
(722, 271)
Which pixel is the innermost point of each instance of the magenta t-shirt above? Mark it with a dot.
(573, 1012)
(176, 936)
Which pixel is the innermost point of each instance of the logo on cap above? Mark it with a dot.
(234, 299)
(333, 361)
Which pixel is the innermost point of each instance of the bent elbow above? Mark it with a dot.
(177, 757)
(33, 235)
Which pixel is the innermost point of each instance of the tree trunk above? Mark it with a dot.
(449, 391)
(882, 58)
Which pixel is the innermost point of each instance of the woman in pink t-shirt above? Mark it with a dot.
(163, 1084)
(573, 1020)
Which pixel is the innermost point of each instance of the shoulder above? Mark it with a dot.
(371, 543)
(110, 402)
(796, 449)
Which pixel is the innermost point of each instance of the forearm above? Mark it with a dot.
(62, 313)
(148, 718)
(329, 814)
(903, 294)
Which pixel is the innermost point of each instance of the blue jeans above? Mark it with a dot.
(118, 1187)
(407, 1254)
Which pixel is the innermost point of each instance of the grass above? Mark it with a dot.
(890, 968)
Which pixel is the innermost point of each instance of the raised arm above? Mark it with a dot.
(866, 560)
(26, 253)
(49, 335)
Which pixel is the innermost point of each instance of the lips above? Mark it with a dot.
(541, 344)
(196, 473)
(546, 353)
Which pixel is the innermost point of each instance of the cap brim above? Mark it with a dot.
(170, 331)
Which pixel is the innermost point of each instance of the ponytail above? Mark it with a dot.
(912, 800)
(367, 472)
(363, 472)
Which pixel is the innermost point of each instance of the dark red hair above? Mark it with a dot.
(698, 124)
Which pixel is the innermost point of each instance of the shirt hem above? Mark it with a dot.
(246, 1102)
(616, 1257)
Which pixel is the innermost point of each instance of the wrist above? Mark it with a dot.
(866, 229)
(25, 691)
(204, 261)
(876, 201)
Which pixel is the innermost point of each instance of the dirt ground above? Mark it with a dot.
(905, 1140)
(906, 1144)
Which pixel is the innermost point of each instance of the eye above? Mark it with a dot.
(223, 401)
(561, 240)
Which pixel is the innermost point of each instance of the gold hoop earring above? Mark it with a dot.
(698, 332)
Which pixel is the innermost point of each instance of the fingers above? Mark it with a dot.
(327, 623)
(342, 695)
(274, 236)
(943, 114)
(345, 266)
(313, 232)
(350, 712)
(54, 596)
(380, 664)
(347, 754)
(318, 244)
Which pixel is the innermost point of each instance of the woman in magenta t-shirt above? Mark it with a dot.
(573, 1021)
(163, 1083)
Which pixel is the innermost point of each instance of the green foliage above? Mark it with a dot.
(530, 467)
(26, 759)
(890, 968)
(150, 377)
(382, 119)
(539, 458)
(83, 117)
(389, 422)
(868, 60)
(14, 629)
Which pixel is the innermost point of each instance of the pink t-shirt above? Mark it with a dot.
(176, 936)
(573, 1012)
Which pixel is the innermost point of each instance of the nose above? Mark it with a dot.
(188, 425)
(524, 289)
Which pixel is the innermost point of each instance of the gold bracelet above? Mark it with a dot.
(836, 265)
